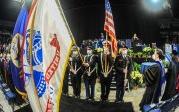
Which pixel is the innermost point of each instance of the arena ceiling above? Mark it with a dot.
(86, 17)
(9, 8)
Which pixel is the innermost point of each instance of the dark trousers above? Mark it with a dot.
(120, 90)
(76, 84)
(105, 87)
(65, 84)
(90, 87)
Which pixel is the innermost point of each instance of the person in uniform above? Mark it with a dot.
(105, 65)
(76, 71)
(90, 73)
(123, 67)
(65, 82)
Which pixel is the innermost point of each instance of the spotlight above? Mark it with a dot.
(155, 1)
(154, 5)
(18, 0)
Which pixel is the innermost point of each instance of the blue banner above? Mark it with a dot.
(16, 50)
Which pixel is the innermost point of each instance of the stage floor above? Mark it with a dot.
(133, 96)
(4, 103)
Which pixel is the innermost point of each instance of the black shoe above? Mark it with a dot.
(119, 101)
(87, 98)
(78, 97)
(102, 100)
(65, 94)
(92, 99)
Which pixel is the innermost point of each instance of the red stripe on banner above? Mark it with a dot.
(109, 28)
(111, 34)
(108, 23)
(114, 42)
(109, 15)
(106, 28)
(31, 9)
(55, 62)
(113, 39)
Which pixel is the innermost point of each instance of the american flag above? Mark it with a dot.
(109, 27)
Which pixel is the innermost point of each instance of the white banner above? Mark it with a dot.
(27, 63)
(51, 49)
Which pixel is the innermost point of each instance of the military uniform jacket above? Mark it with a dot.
(120, 64)
(91, 71)
(75, 63)
(105, 65)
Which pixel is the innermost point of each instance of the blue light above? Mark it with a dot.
(154, 5)
(155, 1)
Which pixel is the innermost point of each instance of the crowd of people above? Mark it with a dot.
(5, 68)
(93, 59)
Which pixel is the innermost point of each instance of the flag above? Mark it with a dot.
(51, 46)
(109, 27)
(27, 62)
(16, 51)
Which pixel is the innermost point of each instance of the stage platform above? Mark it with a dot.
(70, 104)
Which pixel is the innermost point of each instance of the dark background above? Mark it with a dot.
(86, 18)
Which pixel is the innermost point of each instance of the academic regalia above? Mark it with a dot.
(177, 84)
(90, 76)
(154, 80)
(171, 77)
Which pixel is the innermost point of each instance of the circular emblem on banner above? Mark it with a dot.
(15, 53)
(37, 62)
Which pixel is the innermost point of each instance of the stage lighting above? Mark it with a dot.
(18, 0)
(154, 5)
(155, 1)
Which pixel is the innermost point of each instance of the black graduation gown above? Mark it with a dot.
(171, 78)
(152, 79)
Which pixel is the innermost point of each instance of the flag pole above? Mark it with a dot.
(22, 2)
(68, 28)
(106, 55)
